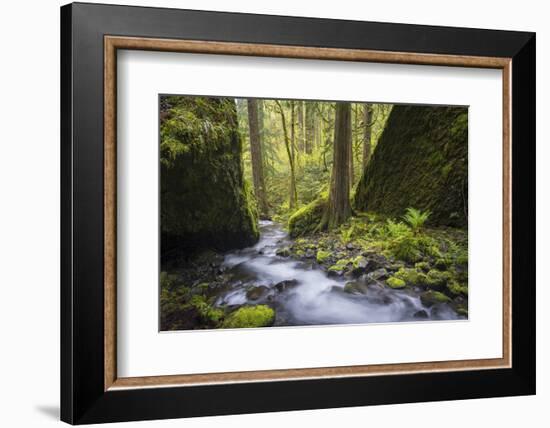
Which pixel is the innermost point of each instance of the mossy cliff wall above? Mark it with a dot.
(420, 161)
(205, 202)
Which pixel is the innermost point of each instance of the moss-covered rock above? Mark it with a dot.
(205, 201)
(421, 161)
(411, 276)
(356, 287)
(396, 283)
(249, 317)
(430, 298)
(455, 288)
(307, 219)
(322, 256)
(437, 280)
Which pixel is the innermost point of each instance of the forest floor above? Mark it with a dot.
(371, 269)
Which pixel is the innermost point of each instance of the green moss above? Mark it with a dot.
(411, 276)
(209, 314)
(423, 266)
(406, 248)
(437, 279)
(442, 263)
(340, 265)
(395, 282)
(462, 311)
(249, 317)
(322, 256)
(307, 219)
(168, 281)
(431, 298)
(456, 288)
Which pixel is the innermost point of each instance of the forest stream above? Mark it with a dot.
(302, 293)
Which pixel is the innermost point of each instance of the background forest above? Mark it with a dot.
(291, 212)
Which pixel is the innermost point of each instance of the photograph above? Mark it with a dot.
(278, 212)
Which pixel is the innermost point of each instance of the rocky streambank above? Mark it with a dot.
(309, 281)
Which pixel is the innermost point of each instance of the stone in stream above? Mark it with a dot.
(421, 314)
(378, 274)
(310, 254)
(356, 287)
(430, 298)
(283, 252)
(286, 285)
(335, 273)
(256, 292)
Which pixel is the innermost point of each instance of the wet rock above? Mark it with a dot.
(286, 285)
(356, 287)
(310, 254)
(337, 289)
(378, 274)
(256, 293)
(283, 252)
(431, 298)
(362, 263)
(376, 261)
(395, 283)
(421, 314)
(335, 273)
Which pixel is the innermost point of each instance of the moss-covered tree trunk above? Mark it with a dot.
(420, 161)
(257, 158)
(338, 208)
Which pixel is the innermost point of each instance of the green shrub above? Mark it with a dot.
(416, 218)
(249, 317)
(406, 248)
(396, 229)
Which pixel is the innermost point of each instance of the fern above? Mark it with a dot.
(416, 218)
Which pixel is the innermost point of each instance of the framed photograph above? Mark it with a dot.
(266, 213)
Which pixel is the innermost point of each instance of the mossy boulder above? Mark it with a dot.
(395, 283)
(430, 298)
(322, 256)
(307, 219)
(205, 201)
(411, 276)
(249, 317)
(437, 280)
(421, 161)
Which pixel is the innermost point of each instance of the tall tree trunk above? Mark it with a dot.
(257, 158)
(293, 195)
(300, 121)
(367, 134)
(338, 208)
(310, 127)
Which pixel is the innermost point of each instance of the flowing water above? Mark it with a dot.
(309, 296)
